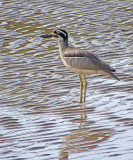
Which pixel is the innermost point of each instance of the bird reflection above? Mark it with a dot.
(83, 115)
(84, 138)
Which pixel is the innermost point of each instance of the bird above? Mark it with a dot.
(80, 61)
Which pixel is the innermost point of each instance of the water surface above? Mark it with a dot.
(40, 115)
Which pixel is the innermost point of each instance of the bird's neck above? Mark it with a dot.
(62, 45)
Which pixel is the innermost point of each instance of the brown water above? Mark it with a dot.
(40, 118)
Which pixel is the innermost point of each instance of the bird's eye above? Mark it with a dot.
(58, 32)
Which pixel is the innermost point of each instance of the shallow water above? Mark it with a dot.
(40, 115)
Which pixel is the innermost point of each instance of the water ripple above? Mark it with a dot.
(40, 114)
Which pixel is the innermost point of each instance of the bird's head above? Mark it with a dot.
(60, 33)
(57, 33)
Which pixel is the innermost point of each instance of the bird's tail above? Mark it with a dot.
(108, 69)
(113, 75)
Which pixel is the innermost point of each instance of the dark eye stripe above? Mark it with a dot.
(64, 34)
(61, 33)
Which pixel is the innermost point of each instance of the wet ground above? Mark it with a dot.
(40, 117)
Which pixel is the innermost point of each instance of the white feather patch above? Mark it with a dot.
(62, 32)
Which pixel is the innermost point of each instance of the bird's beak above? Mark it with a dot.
(46, 36)
(49, 35)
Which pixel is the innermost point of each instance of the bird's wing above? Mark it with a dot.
(82, 59)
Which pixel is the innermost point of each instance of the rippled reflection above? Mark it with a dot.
(84, 138)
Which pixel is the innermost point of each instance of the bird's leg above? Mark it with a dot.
(85, 86)
(81, 88)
